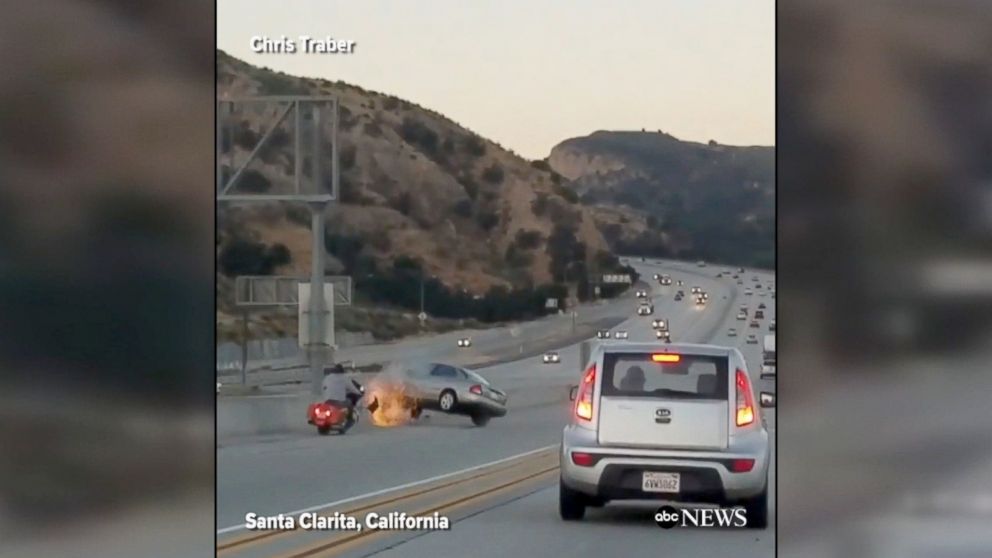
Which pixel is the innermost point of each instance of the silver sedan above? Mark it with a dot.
(450, 389)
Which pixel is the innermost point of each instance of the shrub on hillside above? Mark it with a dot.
(348, 155)
(567, 193)
(470, 185)
(487, 219)
(246, 257)
(540, 205)
(541, 164)
(474, 146)
(403, 203)
(253, 182)
(372, 129)
(270, 83)
(347, 119)
(462, 208)
(564, 249)
(516, 257)
(244, 136)
(528, 240)
(346, 248)
(420, 135)
(493, 174)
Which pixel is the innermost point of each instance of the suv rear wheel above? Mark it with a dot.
(571, 504)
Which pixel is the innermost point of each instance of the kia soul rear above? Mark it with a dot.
(664, 401)
(674, 422)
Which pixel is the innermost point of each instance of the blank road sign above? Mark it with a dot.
(276, 290)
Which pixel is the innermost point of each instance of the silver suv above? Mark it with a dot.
(675, 422)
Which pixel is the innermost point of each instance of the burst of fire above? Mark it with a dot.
(388, 404)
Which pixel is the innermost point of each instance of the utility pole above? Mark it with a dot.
(306, 112)
(316, 347)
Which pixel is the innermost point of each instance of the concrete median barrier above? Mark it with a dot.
(261, 414)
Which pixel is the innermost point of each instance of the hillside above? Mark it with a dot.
(419, 194)
(695, 200)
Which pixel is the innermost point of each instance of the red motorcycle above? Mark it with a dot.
(327, 416)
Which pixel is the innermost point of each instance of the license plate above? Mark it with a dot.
(660, 482)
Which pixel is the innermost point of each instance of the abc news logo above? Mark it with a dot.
(668, 516)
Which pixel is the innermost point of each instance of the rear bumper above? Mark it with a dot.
(705, 476)
(475, 404)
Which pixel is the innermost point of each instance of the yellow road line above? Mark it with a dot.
(227, 546)
(338, 545)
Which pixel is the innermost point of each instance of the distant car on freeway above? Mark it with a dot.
(678, 297)
(732, 332)
(771, 326)
(656, 276)
(701, 263)
(621, 334)
(748, 292)
(696, 290)
(551, 357)
(759, 315)
(659, 324)
(681, 283)
(453, 390)
(700, 301)
(645, 309)
(664, 335)
(642, 294)
(465, 342)
(666, 422)
(742, 315)
(603, 334)
(761, 306)
(755, 324)
(767, 371)
(665, 280)
(752, 339)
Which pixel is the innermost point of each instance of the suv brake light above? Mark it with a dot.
(745, 401)
(583, 402)
(476, 389)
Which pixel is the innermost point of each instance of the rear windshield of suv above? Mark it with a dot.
(637, 375)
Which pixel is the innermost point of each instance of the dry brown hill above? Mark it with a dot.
(413, 184)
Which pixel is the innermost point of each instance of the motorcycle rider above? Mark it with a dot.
(337, 389)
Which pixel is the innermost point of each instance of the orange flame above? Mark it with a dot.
(392, 406)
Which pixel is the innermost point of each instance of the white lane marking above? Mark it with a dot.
(319, 507)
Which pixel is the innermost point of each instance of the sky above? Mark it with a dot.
(529, 74)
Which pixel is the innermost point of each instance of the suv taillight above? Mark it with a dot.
(745, 402)
(583, 402)
(476, 389)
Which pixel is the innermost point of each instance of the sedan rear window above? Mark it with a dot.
(638, 375)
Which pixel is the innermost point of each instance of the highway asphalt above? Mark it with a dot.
(285, 474)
